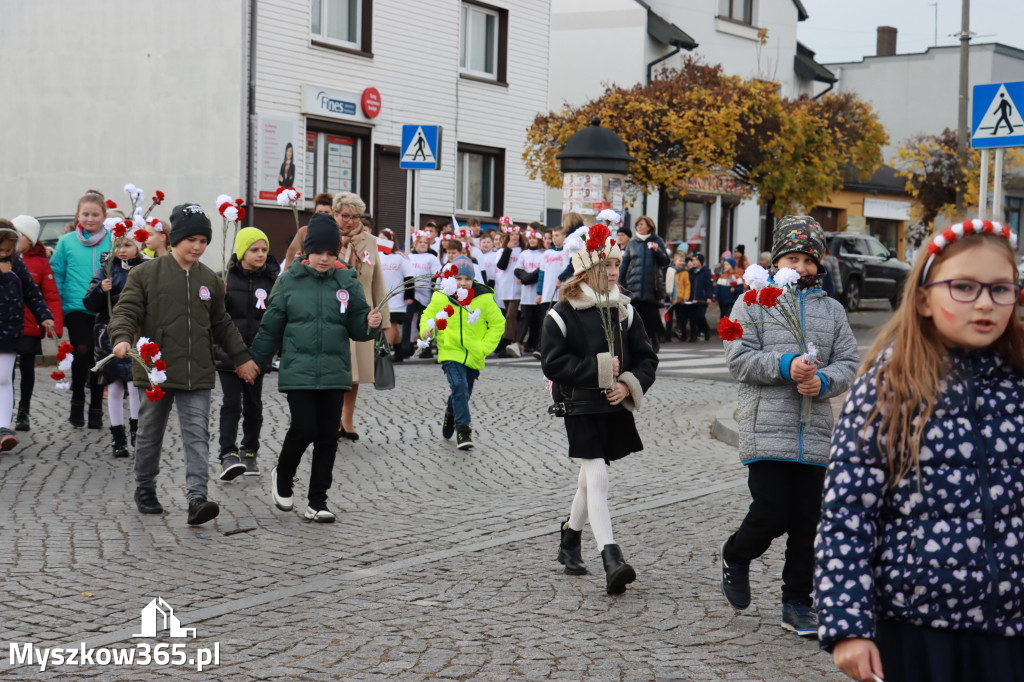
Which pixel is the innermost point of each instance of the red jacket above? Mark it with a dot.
(39, 267)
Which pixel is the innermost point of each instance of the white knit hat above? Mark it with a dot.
(27, 226)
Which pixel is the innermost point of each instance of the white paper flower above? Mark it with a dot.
(110, 223)
(461, 293)
(282, 199)
(423, 343)
(573, 245)
(431, 323)
(756, 277)
(811, 355)
(441, 315)
(157, 377)
(65, 364)
(63, 385)
(231, 213)
(473, 316)
(786, 276)
(609, 215)
(143, 340)
(449, 286)
(223, 198)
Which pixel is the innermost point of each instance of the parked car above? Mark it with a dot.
(868, 269)
(51, 228)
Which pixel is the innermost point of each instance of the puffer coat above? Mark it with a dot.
(245, 299)
(641, 269)
(769, 404)
(945, 551)
(18, 292)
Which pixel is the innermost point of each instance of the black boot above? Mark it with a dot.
(77, 417)
(95, 417)
(617, 571)
(133, 428)
(569, 551)
(21, 422)
(120, 443)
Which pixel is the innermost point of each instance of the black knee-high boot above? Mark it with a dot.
(569, 551)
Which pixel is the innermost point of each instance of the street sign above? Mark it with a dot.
(996, 119)
(421, 147)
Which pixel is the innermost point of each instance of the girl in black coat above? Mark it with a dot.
(100, 298)
(596, 390)
(251, 274)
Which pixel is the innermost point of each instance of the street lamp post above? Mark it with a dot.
(594, 164)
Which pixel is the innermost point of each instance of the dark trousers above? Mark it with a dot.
(245, 401)
(315, 416)
(79, 326)
(726, 308)
(914, 653)
(786, 500)
(530, 318)
(699, 320)
(678, 318)
(412, 311)
(27, 363)
(650, 314)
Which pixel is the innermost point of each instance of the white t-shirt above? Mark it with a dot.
(554, 263)
(505, 287)
(530, 260)
(396, 268)
(422, 264)
(488, 263)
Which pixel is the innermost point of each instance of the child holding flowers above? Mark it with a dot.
(468, 324)
(103, 293)
(919, 549)
(17, 290)
(601, 363)
(785, 455)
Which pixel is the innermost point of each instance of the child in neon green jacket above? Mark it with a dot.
(467, 332)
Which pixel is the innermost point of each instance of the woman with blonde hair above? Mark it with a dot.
(359, 250)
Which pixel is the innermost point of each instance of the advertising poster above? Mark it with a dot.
(278, 144)
(339, 163)
(583, 193)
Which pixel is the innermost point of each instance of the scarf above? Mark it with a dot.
(89, 240)
(348, 253)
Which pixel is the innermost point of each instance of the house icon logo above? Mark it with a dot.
(158, 615)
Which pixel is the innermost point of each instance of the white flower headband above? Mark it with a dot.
(965, 229)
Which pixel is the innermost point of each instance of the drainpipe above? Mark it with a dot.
(830, 86)
(250, 193)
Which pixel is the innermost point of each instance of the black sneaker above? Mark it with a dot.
(448, 425)
(319, 513)
(248, 458)
(231, 466)
(464, 441)
(426, 354)
(22, 422)
(201, 510)
(735, 582)
(145, 500)
(800, 617)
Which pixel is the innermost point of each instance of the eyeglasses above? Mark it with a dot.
(968, 290)
(342, 216)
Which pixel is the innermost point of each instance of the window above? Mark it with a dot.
(851, 247)
(341, 24)
(877, 249)
(336, 159)
(484, 42)
(737, 10)
(479, 180)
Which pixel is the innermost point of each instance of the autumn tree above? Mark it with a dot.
(697, 121)
(935, 174)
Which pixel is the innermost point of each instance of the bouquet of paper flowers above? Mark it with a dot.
(289, 196)
(596, 241)
(64, 359)
(231, 211)
(146, 354)
(780, 302)
(447, 284)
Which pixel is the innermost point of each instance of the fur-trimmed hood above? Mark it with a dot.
(587, 298)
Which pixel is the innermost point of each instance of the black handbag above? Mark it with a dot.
(383, 367)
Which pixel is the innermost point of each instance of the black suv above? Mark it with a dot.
(867, 268)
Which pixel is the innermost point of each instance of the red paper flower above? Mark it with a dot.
(769, 296)
(129, 224)
(63, 349)
(154, 394)
(449, 271)
(597, 237)
(441, 325)
(223, 207)
(119, 230)
(111, 204)
(450, 310)
(729, 330)
(241, 214)
(147, 351)
(57, 376)
(140, 235)
(750, 298)
(159, 197)
(239, 202)
(468, 299)
(160, 365)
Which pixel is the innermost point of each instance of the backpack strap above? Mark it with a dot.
(629, 319)
(559, 321)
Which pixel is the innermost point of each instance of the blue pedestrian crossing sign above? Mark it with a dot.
(996, 118)
(421, 147)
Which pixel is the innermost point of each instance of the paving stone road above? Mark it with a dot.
(442, 564)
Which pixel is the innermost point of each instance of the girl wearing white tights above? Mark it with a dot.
(596, 389)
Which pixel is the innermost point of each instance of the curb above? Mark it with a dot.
(725, 427)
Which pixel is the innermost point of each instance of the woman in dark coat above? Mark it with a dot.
(643, 263)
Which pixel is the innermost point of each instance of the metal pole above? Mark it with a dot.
(409, 225)
(416, 197)
(961, 130)
(983, 186)
(997, 187)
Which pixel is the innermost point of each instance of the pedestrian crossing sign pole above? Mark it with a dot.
(996, 122)
(421, 150)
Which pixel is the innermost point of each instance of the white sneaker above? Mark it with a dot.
(323, 515)
(282, 503)
(276, 364)
(512, 350)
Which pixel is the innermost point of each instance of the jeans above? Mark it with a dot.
(245, 401)
(786, 500)
(79, 326)
(314, 419)
(460, 379)
(412, 311)
(194, 420)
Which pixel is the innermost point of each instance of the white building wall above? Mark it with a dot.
(108, 92)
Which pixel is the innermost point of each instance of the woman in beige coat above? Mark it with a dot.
(359, 251)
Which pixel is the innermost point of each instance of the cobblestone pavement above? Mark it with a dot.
(442, 563)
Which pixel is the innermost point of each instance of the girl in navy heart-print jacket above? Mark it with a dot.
(920, 548)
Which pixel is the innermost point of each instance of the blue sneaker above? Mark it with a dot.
(735, 582)
(800, 617)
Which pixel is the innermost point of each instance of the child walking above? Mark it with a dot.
(786, 459)
(101, 297)
(251, 274)
(17, 290)
(75, 259)
(316, 307)
(507, 288)
(596, 389)
(471, 333)
(34, 254)
(528, 272)
(919, 549)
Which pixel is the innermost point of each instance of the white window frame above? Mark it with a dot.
(462, 182)
(466, 41)
(357, 21)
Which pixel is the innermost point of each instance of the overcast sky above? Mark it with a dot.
(844, 31)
